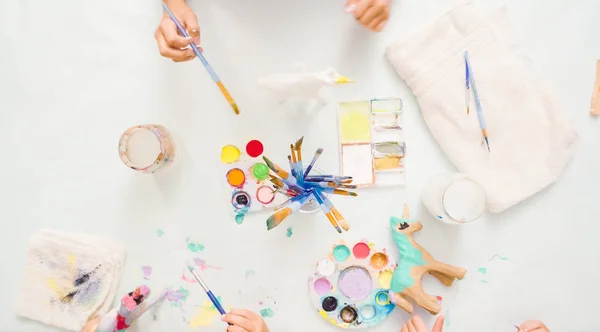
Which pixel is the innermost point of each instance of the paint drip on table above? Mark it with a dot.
(206, 314)
(350, 287)
(247, 177)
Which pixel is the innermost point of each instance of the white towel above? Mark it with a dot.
(530, 138)
(69, 278)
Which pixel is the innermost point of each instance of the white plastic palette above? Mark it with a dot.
(350, 287)
(247, 180)
(372, 144)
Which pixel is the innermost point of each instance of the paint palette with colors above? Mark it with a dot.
(247, 179)
(350, 287)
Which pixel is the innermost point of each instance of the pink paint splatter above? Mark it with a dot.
(202, 265)
(260, 302)
(147, 270)
(186, 279)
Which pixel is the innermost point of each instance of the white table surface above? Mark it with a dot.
(75, 74)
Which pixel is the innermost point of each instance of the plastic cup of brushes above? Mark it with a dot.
(312, 206)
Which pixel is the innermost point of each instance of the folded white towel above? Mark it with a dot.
(69, 278)
(530, 138)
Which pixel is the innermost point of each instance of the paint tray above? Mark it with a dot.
(245, 177)
(372, 143)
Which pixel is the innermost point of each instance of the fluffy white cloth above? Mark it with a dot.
(530, 138)
(69, 278)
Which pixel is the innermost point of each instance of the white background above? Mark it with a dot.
(75, 74)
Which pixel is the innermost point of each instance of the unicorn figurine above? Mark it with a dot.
(413, 263)
(119, 319)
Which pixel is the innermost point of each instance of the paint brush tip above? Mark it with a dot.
(353, 194)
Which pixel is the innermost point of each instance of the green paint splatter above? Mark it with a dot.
(504, 258)
(250, 273)
(160, 232)
(239, 218)
(268, 312)
(500, 257)
(484, 281)
(194, 246)
(447, 321)
(482, 270)
(289, 232)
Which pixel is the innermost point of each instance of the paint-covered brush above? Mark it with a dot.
(208, 292)
(298, 149)
(330, 185)
(312, 162)
(343, 223)
(328, 213)
(329, 178)
(467, 84)
(338, 192)
(480, 116)
(285, 176)
(208, 67)
(276, 218)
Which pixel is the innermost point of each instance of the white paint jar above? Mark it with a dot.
(454, 198)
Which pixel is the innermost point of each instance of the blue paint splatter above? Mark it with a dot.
(289, 232)
(239, 218)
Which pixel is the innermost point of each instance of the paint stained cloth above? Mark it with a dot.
(69, 277)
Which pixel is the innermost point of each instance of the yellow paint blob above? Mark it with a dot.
(205, 316)
(355, 122)
(326, 316)
(230, 154)
(385, 279)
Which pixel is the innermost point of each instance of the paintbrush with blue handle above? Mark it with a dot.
(208, 292)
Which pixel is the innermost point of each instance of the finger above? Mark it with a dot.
(242, 312)
(350, 6)
(361, 8)
(411, 326)
(188, 57)
(439, 324)
(379, 27)
(531, 325)
(404, 328)
(171, 53)
(418, 323)
(174, 40)
(190, 24)
(381, 18)
(233, 328)
(370, 15)
(236, 320)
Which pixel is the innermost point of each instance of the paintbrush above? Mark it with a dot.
(467, 88)
(211, 72)
(279, 216)
(312, 162)
(477, 102)
(210, 294)
(328, 213)
(329, 178)
(292, 168)
(343, 223)
(331, 185)
(298, 148)
(338, 192)
(289, 179)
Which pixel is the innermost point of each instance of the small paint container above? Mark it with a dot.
(454, 198)
(312, 206)
(147, 148)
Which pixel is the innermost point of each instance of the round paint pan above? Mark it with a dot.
(349, 287)
(265, 194)
(236, 177)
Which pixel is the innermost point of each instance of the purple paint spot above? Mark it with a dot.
(147, 270)
(203, 266)
(356, 283)
(260, 302)
(322, 286)
(176, 297)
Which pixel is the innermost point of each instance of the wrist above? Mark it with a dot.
(174, 2)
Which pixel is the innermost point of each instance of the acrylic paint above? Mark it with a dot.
(346, 286)
(230, 154)
(260, 171)
(265, 194)
(254, 148)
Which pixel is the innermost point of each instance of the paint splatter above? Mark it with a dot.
(482, 270)
(260, 302)
(202, 265)
(289, 232)
(147, 270)
(440, 217)
(206, 315)
(160, 232)
(267, 313)
(186, 279)
(239, 218)
(250, 273)
(194, 246)
(483, 281)
(178, 296)
(499, 257)
(447, 321)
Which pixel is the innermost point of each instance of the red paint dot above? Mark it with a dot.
(361, 250)
(439, 298)
(254, 148)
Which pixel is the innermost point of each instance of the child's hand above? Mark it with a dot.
(415, 324)
(244, 321)
(372, 14)
(533, 326)
(170, 43)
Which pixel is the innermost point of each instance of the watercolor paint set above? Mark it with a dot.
(247, 179)
(350, 287)
(372, 143)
